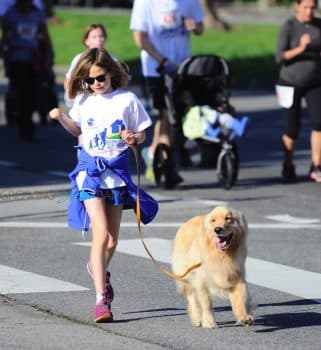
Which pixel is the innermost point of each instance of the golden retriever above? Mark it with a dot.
(218, 241)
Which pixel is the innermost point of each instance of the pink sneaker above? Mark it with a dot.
(102, 313)
(109, 291)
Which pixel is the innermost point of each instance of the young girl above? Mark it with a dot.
(110, 120)
(95, 36)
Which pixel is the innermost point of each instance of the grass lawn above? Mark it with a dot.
(249, 48)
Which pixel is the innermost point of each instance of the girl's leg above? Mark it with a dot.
(96, 209)
(114, 214)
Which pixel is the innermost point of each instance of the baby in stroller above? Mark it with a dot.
(206, 122)
(204, 115)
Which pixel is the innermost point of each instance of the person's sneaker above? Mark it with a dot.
(149, 172)
(109, 291)
(288, 174)
(102, 312)
(315, 173)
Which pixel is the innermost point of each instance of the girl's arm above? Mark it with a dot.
(132, 138)
(65, 121)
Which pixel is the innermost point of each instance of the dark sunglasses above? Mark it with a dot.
(99, 78)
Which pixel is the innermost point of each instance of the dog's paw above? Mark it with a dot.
(246, 321)
(208, 322)
(196, 323)
(195, 319)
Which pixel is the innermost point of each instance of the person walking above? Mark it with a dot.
(299, 53)
(27, 53)
(111, 120)
(161, 30)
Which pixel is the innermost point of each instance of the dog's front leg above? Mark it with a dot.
(205, 303)
(194, 309)
(239, 301)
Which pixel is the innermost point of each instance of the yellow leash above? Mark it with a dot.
(166, 272)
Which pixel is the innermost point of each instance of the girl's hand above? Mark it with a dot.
(129, 137)
(56, 114)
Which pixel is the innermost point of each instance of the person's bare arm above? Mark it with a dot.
(65, 121)
(142, 41)
(292, 53)
(196, 28)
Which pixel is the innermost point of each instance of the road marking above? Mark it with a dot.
(8, 163)
(281, 225)
(303, 284)
(292, 219)
(15, 281)
(57, 173)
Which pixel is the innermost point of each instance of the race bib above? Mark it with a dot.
(285, 95)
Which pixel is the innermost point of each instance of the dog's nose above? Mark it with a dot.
(218, 230)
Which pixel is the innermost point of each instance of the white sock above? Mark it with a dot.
(99, 297)
(150, 153)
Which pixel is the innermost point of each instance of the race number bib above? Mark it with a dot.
(285, 95)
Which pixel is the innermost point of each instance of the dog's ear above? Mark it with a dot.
(240, 218)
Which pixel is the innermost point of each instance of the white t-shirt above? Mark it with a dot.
(101, 117)
(73, 65)
(162, 21)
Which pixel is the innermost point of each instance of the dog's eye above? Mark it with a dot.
(212, 220)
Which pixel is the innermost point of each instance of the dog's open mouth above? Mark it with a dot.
(223, 242)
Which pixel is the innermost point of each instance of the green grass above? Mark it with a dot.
(249, 48)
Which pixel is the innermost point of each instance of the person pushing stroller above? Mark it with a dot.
(161, 29)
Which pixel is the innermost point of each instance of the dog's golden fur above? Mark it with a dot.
(218, 241)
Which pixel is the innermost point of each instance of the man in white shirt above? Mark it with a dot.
(161, 29)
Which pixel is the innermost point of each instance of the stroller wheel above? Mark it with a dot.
(227, 170)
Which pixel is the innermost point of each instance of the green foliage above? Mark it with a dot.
(249, 48)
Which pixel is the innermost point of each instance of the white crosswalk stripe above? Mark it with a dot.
(15, 281)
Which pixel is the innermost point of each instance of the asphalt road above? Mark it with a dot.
(47, 296)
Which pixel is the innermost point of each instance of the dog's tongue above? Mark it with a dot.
(220, 243)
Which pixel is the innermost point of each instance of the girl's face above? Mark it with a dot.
(95, 39)
(102, 82)
(305, 10)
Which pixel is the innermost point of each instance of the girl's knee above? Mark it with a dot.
(100, 237)
(112, 242)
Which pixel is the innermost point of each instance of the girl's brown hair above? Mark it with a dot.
(100, 58)
(92, 27)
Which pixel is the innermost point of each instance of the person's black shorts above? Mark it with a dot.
(156, 88)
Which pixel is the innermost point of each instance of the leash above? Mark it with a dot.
(166, 272)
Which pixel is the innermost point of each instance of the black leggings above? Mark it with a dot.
(24, 81)
(292, 115)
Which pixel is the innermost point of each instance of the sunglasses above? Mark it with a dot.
(99, 78)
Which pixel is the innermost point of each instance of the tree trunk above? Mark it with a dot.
(212, 18)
